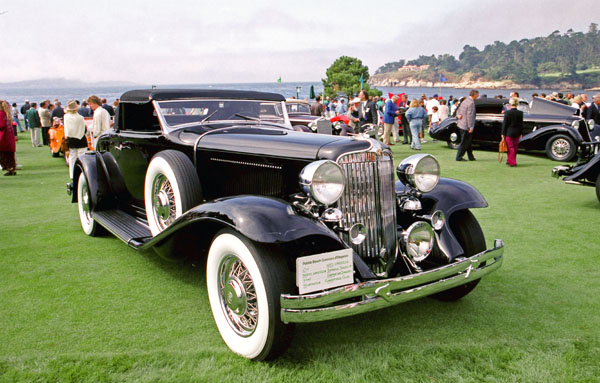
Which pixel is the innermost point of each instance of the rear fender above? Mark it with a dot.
(449, 196)
(538, 138)
(92, 165)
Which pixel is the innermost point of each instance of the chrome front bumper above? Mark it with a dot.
(378, 294)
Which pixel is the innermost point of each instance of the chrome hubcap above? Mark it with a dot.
(163, 201)
(453, 137)
(560, 147)
(238, 296)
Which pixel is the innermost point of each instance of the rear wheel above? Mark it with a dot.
(561, 148)
(244, 284)
(88, 224)
(171, 188)
(470, 236)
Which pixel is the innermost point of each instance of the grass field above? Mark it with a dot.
(559, 74)
(80, 309)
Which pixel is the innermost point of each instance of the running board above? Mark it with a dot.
(124, 226)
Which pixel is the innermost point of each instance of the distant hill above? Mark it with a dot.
(568, 60)
(48, 83)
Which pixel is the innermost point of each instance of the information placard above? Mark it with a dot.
(324, 271)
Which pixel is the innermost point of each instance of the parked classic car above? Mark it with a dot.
(548, 125)
(587, 170)
(293, 227)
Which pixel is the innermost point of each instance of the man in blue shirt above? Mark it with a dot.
(389, 116)
(341, 109)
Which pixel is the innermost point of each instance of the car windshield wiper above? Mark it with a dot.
(247, 117)
(209, 116)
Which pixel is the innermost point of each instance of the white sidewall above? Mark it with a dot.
(87, 225)
(159, 165)
(248, 347)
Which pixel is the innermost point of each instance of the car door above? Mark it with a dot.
(138, 138)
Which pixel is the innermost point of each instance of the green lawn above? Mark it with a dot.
(559, 74)
(80, 309)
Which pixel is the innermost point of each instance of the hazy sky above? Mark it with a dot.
(167, 42)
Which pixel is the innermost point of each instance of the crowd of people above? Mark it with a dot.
(419, 115)
(415, 117)
(39, 119)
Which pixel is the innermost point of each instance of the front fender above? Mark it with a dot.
(261, 219)
(444, 129)
(538, 138)
(449, 196)
(587, 171)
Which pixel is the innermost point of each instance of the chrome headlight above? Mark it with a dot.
(419, 239)
(323, 181)
(313, 125)
(421, 171)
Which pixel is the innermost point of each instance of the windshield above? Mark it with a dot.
(195, 111)
(298, 108)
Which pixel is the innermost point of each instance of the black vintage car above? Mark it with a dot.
(293, 227)
(587, 170)
(548, 125)
(302, 120)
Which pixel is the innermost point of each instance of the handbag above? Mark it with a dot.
(502, 148)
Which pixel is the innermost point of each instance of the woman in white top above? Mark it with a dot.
(75, 134)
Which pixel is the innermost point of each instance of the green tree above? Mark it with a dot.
(343, 78)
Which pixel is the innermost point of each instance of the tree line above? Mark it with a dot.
(571, 56)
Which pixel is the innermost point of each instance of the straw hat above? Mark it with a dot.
(71, 106)
(356, 100)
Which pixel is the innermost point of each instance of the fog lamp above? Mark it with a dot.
(419, 240)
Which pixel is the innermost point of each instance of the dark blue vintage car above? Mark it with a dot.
(547, 125)
(293, 227)
(587, 170)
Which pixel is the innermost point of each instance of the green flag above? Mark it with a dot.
(362, 82)
(279, 80)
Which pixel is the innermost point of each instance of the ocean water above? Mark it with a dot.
(288, 89)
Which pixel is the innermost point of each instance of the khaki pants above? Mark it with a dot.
(387, 130)
(36, 137)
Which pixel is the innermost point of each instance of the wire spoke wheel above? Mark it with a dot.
(163, 201)
(238, 296)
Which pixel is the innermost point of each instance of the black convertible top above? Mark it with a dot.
(145, 95)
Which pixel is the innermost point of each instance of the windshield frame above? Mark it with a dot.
(169, 128)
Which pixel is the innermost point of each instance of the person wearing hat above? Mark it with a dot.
(75, 134)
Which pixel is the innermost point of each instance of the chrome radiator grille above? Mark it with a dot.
(369, 198)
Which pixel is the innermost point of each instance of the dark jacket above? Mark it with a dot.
(390, 112)
(58, 112)
(593, 113)
(316, 109)
(367, 113)
(512, 126)
(109, 109)
(33, 118)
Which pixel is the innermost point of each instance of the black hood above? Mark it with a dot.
(280, 143)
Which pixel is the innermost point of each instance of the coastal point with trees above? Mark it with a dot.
(559, 60)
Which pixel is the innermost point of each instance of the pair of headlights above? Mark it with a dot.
(324, 180)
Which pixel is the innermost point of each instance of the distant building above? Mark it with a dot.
(413, 68)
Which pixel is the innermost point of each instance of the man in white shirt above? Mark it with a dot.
(101, 121)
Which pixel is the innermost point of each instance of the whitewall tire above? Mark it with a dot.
(88, 224)
(171, 188)
(244, 285)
